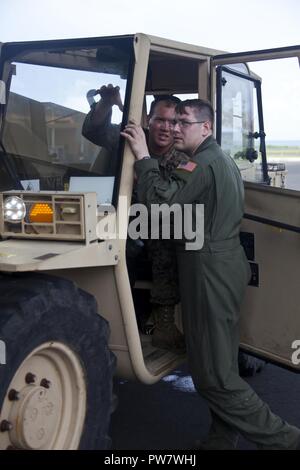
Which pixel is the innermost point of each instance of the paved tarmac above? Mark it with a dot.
(293, 175)
(171, 415)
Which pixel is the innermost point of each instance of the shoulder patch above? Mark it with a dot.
(187, 166)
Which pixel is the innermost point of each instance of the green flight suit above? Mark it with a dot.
(213, 281)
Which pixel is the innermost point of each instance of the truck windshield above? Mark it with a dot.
(47, 108)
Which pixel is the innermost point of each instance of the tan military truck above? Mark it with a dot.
(69, 318)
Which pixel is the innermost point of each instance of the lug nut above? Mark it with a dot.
(5, 425)
(13, 395)
(30, 378)
(45, 383)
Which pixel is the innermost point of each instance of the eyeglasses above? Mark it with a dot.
(186, 124)
(172, 122)
(162, 122)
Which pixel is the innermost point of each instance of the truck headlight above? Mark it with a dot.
(14, 209)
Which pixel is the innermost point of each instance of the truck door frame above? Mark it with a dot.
(263, 223)
(261, 133)
(221, 62)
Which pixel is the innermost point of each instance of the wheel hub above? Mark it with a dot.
(45, 403)
(34, 417)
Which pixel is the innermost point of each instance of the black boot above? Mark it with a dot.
(166, 334)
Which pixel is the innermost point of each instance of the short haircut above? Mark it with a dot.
(169, 101)
(202, 108)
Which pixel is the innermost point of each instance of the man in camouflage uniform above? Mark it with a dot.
(212, 278)
(165, 289)
(98, 128)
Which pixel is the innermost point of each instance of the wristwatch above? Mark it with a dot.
(146, 157)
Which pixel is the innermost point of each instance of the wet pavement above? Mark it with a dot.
(171, 415)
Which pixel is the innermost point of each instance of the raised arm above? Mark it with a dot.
(185, 185)
(97, 126)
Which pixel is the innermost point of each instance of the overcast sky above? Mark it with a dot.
(231, 25)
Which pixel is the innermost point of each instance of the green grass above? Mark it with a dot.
(283, 151)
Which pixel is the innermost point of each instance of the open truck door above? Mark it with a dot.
(270, 323)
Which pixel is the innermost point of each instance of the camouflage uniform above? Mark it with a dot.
(165, 290)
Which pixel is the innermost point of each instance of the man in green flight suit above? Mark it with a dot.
(213, 278)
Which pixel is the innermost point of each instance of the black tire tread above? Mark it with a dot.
(35, 308)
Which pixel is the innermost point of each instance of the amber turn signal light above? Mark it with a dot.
(41, 213)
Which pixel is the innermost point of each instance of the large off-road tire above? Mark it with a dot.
(56, 385)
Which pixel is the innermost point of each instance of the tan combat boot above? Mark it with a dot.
(165, 333)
